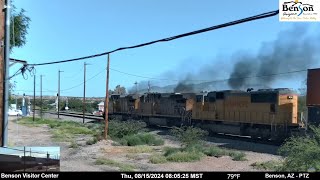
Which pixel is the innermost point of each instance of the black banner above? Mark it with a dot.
(161, 175)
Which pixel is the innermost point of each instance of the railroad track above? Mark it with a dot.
(78, 115)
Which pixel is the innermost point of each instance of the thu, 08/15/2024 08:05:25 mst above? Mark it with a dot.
(161, 175)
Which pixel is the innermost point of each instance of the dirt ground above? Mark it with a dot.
(83, 157)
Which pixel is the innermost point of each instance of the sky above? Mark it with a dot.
(62, 30)
(35, 151)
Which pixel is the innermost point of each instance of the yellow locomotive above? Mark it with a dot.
(266, 113)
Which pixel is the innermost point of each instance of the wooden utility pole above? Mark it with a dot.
(4, 69)
(41, 105)
(106, 112)
(24, 159)
(59, 93)
(84, 90)
(136, 83)
(1, 72)
(34, 97)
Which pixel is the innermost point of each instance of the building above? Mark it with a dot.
(101, 106)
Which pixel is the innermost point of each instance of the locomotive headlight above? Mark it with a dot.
(290, 97)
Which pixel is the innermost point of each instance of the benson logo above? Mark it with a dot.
(299, 10)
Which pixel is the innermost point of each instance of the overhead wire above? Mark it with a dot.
(85, 81)
(204, 81)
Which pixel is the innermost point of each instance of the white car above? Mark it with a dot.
(13, 112)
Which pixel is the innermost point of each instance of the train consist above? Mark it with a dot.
(265, 113)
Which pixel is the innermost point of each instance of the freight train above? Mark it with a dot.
(270, 114)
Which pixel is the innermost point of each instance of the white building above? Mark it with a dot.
(101, 106)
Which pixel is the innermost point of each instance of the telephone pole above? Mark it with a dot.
(41, 96)
(136, 83)
(106, 112)
(59, 93)
(4, 71)
(84, 90)
(34, 97)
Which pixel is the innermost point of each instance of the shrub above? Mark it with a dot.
(238, 156)
(141, 149)
(185, 157)
(109, 162)
(150, 139)
(198, 147)
(92, 141)
(133, 140)
(74, 145)
(158, 159)
(170, 150)
(141, 139)
(302, 153)
(269, 165)
(215, 151)
(120, 129)
(189, 135)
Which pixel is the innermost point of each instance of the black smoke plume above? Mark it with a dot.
(293, 50)
(183, 88)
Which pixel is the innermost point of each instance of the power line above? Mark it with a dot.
(252, 18)
(204, 81)
(85, 81)
(142, 76)
(74, 75)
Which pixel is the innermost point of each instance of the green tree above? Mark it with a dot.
(18, 32)
(19, 27)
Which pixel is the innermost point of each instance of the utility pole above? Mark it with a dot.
(24, 158)
(59, 93)
(84, 90)
(41, 96)
(136, 83)
(34, 97)
(107, 101)
(4, 73)
(148, 86)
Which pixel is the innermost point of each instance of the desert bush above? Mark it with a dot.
(142, 139)
(120, 129)
(158, 159)
(189, 135)
(185, 156)
(302, 153)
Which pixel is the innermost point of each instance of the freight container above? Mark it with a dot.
(313, 87)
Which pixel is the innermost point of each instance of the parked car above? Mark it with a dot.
(14, 112)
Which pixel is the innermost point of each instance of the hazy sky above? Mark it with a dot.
(35, 151)
(68, 29)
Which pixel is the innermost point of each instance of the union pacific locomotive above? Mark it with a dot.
(266, 113)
